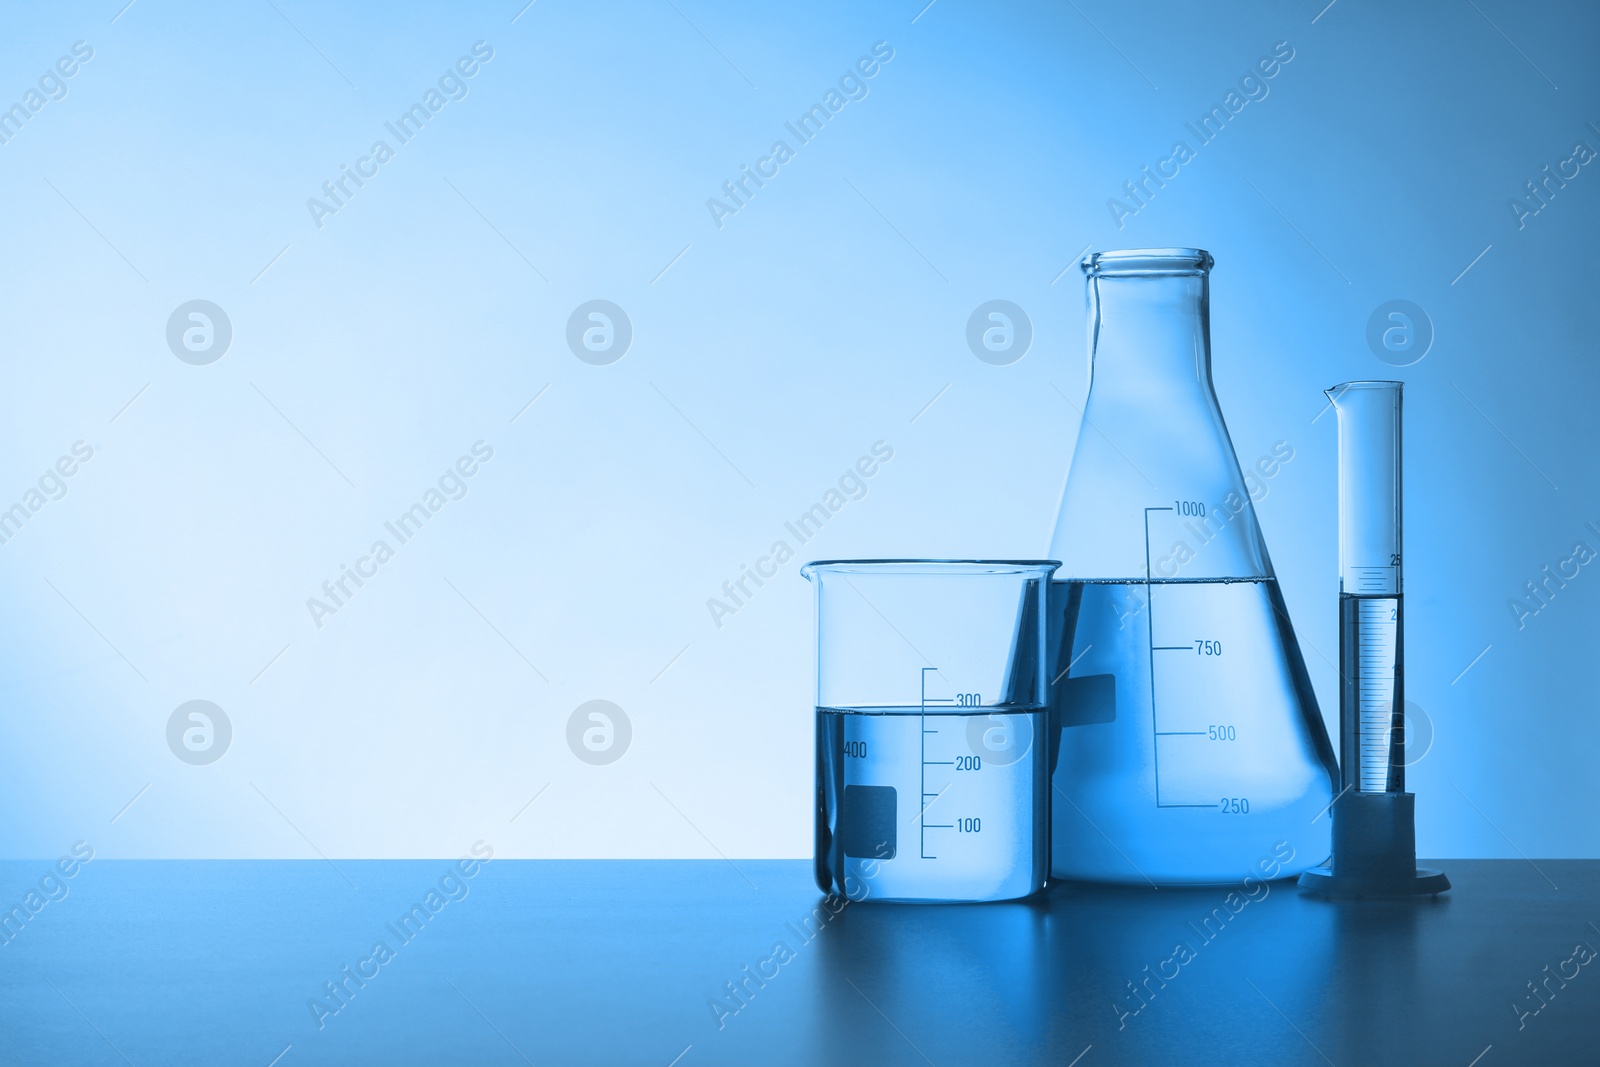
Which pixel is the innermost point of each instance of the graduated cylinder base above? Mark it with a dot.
(1374, 851)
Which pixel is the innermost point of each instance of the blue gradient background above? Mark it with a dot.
(821, 318)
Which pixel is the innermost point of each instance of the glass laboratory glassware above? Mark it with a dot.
(1186, 743)
(930, 711)
(1374, 818)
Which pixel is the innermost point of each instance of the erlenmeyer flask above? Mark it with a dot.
(1190, 748)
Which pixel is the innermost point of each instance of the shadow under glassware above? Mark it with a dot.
(1142, 976)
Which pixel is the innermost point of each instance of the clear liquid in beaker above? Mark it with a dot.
(938, 806)
(1187, 748)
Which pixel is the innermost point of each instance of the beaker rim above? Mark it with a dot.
(1147, 261)
(930, 566)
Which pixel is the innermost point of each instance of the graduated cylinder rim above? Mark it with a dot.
(1378, 384)
(1144, 262)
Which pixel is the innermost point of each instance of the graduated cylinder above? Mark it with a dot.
(1374, 824)
(1371, 608)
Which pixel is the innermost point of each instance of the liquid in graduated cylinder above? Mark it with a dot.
(1187, 746)
(940, 806)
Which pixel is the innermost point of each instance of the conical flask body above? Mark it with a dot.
(1187, 746)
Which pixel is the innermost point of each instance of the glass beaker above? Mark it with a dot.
(1187, 746)
(931, 759)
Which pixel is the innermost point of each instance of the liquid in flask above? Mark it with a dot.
(1187, 745)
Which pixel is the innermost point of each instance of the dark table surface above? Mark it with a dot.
(611, 962)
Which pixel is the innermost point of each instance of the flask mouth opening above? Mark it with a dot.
(1146, 262)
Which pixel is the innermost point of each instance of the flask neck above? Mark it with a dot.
(1150, 328)
(1155, 491)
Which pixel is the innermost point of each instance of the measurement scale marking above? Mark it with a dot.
(922, 816)
(1377, 648)
(1150, 629)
